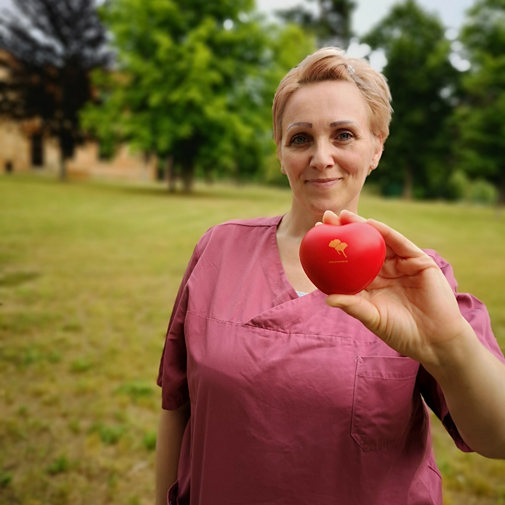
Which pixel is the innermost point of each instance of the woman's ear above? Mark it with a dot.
(279, 157)
(379, 149)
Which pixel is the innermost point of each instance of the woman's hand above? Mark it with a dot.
(412, 308)
(410, 305)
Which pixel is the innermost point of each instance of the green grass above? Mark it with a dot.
(88, 275)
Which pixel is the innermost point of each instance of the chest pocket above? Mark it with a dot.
(383, 401)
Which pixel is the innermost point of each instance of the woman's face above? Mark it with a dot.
(327, 147)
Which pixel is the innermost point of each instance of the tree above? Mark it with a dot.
(417, 159)
(331, 25)
(193, 83)
(51, 48)
(481, 118)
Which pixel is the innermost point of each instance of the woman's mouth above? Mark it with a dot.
(323, 183)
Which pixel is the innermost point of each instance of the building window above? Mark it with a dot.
(37, 150)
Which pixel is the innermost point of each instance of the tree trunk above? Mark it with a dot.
(63, 168)
(170, 174)
(67, 149)
(209, 179)
(238, 174)
(501, 196)
(187, 176)
(147, 161)
(501, 191)
(408, 182)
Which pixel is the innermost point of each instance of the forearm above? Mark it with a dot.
(473, 382)
(168, 446)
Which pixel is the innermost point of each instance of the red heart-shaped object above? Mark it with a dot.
(342, 259)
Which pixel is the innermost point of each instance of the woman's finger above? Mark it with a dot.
(347, 217)
(398, 243)
(330, 217)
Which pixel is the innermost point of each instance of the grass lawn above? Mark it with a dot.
(88, 275)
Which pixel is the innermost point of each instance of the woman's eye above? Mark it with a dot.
(345, 136)
(298, 139)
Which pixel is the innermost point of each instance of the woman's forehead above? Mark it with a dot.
(327, 101)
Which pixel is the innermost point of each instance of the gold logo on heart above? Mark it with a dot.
(339, 246)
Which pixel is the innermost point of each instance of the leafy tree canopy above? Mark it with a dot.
(422, 80)
(484, 29)
(481, 118)
(331, 24)
(50, 48)
(195, 81)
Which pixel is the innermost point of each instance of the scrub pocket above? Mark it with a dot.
(383, 400)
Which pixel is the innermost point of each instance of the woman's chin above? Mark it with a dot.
(335, 206)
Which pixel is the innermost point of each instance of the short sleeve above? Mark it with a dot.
(172, 372)
(475, 312)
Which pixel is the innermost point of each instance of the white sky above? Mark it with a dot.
(369, 12)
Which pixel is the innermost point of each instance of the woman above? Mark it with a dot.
(272, 396)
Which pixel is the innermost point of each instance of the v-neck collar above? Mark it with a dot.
(275, 257)
(288, 307)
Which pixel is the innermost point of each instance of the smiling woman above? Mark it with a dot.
(331, 117)
(269, 396)
(327, 148)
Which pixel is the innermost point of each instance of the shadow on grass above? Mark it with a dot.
(222, 190)
(16, 278)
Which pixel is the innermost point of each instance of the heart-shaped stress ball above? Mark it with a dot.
(342, 259)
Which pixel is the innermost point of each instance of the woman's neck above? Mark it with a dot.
(297, 226)
(298, 221)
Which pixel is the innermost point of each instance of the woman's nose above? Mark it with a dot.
(322, 157)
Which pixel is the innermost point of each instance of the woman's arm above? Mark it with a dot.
(168, 447)
(412, 308)
(473, 382)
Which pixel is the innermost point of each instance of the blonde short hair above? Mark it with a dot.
(332, 64)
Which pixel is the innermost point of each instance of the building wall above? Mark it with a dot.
(16, 150)
(14, 147)
(125, 164)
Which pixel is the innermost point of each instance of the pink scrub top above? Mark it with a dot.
(294, 402)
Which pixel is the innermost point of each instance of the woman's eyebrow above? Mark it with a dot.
(301, 123)
(342, 123)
